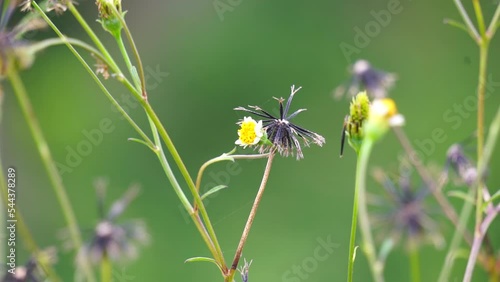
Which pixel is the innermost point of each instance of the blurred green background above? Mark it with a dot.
(215, 62)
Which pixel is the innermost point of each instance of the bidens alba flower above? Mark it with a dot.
(383, 115)
(250, 132)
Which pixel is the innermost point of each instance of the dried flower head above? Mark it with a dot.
(402, 212)
(376, 82)
(118, 241)
(461, 164)
(281, 132)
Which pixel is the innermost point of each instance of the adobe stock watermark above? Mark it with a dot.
(303, 269)
(223, 6)
(92, 138)
(364, 35)
(454, 115)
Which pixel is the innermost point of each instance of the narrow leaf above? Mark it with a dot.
(213, 190)
(493, 198)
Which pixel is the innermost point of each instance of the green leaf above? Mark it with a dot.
(385, 249)
(461, 195)
(213, 190)
(203, 259)
(456, 24)
(142, 142)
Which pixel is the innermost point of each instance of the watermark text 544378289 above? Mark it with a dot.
(11, 220)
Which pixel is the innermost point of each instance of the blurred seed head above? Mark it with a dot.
(32, 271)
(402, 213)
(281, 132)
(377, 83)
(118, 241)
(461, 164)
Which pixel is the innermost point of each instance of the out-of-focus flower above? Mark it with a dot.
(32, 271)
(383, 115)
(13, 49)
(402, 212)
(117, 241)
(461, 164)
(250, 132)
(281, 132)
(364, 77)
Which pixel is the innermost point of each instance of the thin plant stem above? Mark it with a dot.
(368, 245)
(150, 112)
(490, 144)
(134, 50)
(467, 20)
(414, 260)
(49, 164)
(92, 35)
(494, 23)
(251, 217)
(94, 76)
(476, 245)
(479, 16)
(106, 268)
(354, 224)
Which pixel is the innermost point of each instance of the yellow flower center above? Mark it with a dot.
(390, 107)
(247, 132)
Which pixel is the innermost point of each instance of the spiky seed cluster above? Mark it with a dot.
(404, 213)
(281, 132)
(464, 168)
(353, 127)
(117, 241)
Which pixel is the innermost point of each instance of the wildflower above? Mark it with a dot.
(353, 124)
(404, 214)
(281, 132)
(250, 132)
(457, 159)
(117, 241)
(383, 115)
(376, 82)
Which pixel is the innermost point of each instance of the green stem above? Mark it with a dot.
(414, 260)
(134, 50)
(494, 23)
(49, 165)
(92, 36)
(354, 224)
(472, 30)
(364, 221)
(106, 268)
(479, 17)
(94, 76)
